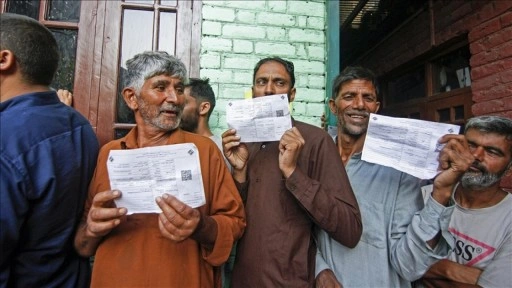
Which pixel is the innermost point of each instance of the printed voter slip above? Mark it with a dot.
(259, 119)
(408, 145)
(145, 173)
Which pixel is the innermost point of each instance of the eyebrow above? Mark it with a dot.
(489, 148)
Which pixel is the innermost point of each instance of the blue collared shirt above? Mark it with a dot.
(48, 153)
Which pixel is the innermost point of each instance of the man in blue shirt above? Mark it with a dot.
(401, 237)
(47, 156)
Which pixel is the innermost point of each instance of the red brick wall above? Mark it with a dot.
(488, 25)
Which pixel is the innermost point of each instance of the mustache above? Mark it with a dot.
(479, 166)
(171, 107)
(358, 113)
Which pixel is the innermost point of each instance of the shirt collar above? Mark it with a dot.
(130, 140)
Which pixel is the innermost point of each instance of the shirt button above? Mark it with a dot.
(263, 146)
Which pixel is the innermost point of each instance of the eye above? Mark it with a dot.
(348, 97)
(261, 82)
(369, 98)
(280, 83)
(160, 88)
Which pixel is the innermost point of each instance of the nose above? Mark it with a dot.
(358, 102)
(171, 95)
(478, 152)
(269, 88)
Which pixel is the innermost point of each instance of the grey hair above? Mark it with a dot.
(491, 124)
(150, 64)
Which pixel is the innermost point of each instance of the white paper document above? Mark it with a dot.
(259, 119)
(145, 173)
(408, 145)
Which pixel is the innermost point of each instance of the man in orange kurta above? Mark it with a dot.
(180, 247)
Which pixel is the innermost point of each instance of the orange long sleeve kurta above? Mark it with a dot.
(135, 254)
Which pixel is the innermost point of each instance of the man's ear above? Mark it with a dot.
(7, 60)
(292, 95)
(204, 108)
(332, 106)
(378, 107)
(130, 98)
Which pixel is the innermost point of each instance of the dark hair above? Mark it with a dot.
(354, 73)
(202, 91)
(288, 65)
(33, 45)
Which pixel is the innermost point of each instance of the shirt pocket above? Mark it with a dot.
(374, 223)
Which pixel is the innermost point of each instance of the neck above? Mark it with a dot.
(11, 88)
(202, 128)
(348, 145)
(475, 199)
(148, 135)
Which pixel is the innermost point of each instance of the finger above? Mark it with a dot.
(104, 214)
(229, 132)
(166, 227)
(447, 137)
(105, 198)
(181, 208)
(230, 145)
(171, 215)
(101, 228)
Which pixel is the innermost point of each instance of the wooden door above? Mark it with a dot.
(122, 29)
(97, 37)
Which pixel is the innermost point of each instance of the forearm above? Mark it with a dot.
(449, 270)
(443, 283)
(206, 232)
(85, 244)
(410, 253)
(334, 210)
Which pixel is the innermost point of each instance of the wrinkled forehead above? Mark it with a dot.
(273, 69)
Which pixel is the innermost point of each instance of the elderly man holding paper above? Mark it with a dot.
(402, 237)
(180, 246)
(291, 186)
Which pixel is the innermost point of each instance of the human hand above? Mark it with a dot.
(235, 151)
(65, 96)
(454, 160)
(177, 220)
(327, 279)
(102, 217)
(290, 145)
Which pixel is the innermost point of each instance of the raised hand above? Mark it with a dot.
(235, 151)
(290, 145)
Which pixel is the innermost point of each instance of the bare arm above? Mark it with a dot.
(327, 279)
(449, 270)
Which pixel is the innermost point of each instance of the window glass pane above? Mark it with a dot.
(444, 115)
(459, 112)
(120, 133)
(408, 86)
(167, 32)
(64, 10)
(168, 2)
(452, 71)
(28, 8)
(137, 37)
(140, 1)
(64, 78)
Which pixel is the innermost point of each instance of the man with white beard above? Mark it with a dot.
(481, 223)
